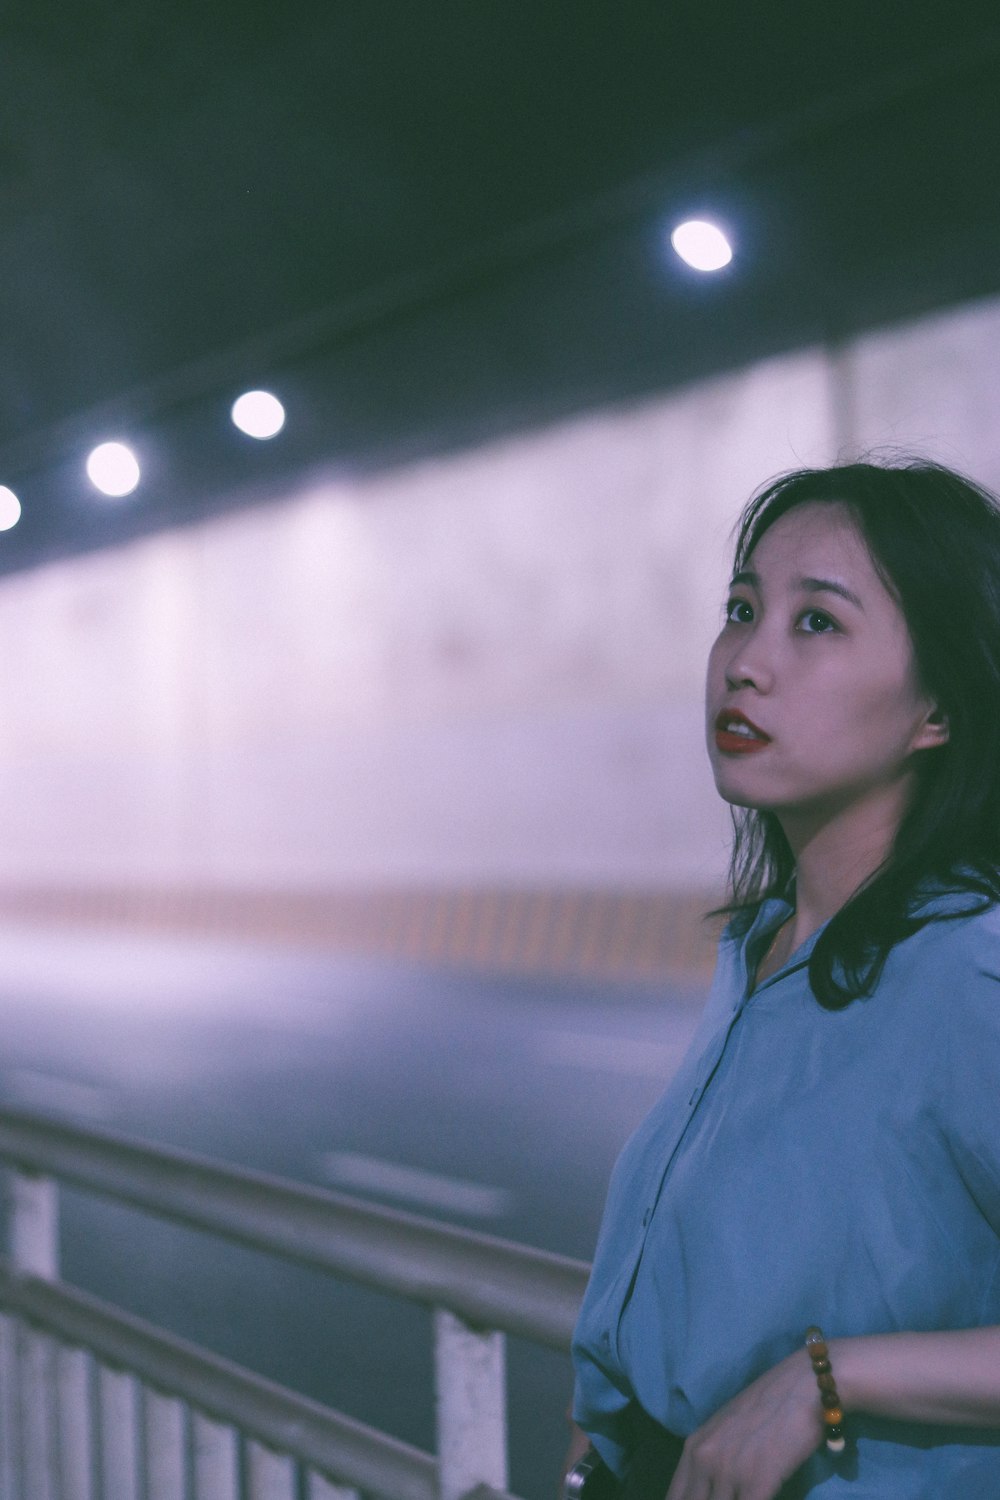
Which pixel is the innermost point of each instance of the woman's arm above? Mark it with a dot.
(579, 1442)
(922, 1377)
(759, 1438)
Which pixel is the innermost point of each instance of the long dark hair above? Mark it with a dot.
(934, 538)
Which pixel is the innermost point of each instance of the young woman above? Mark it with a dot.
(829, 1151)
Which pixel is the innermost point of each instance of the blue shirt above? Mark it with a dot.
(810, 1166)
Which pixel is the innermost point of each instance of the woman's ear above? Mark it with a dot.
(934, 731)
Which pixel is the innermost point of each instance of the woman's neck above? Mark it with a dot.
(836, 856)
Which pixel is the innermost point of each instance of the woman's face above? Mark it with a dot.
(815, 653)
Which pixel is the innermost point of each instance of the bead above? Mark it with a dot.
(833, 1412)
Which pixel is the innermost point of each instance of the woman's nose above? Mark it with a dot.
(749, 667)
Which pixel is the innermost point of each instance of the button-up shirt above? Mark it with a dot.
(839, 1167)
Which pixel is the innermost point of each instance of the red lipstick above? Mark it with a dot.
(738, 741)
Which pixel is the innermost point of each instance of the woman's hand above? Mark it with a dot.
(579, 1442)
(756, 1441)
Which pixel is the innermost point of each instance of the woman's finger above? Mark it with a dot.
(689, 1484)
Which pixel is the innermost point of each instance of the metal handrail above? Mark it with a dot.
(359, 1455)
(490, 1282)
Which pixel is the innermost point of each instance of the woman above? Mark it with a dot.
(829, 1151)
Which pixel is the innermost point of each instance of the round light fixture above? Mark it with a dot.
(113, 469)
(702, 245)
(258, 414)
(10, 508)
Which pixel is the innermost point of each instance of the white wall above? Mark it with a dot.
(485, 667)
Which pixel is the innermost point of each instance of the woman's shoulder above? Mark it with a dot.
(957, 942)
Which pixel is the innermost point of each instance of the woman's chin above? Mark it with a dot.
(733, 788)
(741, 799)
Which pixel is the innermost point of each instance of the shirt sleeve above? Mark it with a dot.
(971, 1082)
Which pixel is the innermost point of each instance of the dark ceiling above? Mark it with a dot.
(424, 224)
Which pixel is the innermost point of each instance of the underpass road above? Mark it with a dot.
(497, 1103)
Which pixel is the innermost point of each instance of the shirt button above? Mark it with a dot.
(606, 1340)
(693, 1098)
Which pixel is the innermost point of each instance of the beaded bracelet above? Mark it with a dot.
(833, 1412)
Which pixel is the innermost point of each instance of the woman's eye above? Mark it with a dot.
(820, 624)
(733, 615)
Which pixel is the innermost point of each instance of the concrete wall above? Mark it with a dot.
(483, 670)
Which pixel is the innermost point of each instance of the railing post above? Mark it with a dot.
(33, 1224)
(216, 1459)
(164, 1446)
(270, 1476)
(75, 1429)
(11, 1466)
(38, 1448)
(471, 1406)
(118, 1419)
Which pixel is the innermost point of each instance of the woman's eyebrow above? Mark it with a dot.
(830, 586)
(805, 585)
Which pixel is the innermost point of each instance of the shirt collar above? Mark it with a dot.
(770, 916)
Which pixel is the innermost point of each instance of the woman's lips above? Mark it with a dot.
(737, 735)
(738, 744)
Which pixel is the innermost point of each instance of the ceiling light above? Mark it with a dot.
(258, 414)
(702, 245)
(10, 508)
(113, 469)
